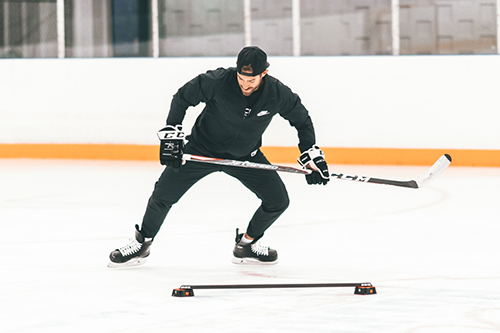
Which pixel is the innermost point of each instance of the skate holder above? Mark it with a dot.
(364, 288)
(183, 292)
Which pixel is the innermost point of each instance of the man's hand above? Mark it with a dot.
(314, 159)
(171, 146)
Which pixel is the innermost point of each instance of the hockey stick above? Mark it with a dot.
(434, 171)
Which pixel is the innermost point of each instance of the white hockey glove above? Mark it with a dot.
(314, 159)
(172, 146)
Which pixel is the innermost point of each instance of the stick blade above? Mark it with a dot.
(435, 170)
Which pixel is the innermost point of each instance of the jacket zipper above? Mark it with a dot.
(247, 112)
(245, 115)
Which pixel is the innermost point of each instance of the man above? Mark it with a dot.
(240, 103)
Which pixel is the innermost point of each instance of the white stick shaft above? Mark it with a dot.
(245, 164)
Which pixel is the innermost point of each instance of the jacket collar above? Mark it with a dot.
(269, 91)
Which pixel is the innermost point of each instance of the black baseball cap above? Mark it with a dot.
(252, 60)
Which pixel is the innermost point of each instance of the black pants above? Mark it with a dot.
(171, 186)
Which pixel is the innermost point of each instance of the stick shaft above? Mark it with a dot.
(245, 164)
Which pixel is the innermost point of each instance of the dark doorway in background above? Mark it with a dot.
(131, 28)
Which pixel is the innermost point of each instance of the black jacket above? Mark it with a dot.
(222, 129)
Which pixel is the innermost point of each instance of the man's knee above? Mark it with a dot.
(278, 203)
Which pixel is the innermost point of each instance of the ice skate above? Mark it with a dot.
(253, 253)
(133, 254)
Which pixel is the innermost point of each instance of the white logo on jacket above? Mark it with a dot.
(263, 113)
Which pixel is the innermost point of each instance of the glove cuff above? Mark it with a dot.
(308, 156)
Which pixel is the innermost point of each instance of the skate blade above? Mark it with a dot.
(252, 261)
(130, 263)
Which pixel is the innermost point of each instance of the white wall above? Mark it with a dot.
(384, 101)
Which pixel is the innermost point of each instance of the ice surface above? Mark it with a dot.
(432, 253)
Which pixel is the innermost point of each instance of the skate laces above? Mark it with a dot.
(131, 248)
(259, 249)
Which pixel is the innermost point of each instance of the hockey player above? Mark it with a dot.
(239, 105)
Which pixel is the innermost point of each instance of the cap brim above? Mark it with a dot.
(252, 74)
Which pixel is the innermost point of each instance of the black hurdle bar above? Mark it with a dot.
(364, 288)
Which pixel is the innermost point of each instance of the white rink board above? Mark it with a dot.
(374, 101)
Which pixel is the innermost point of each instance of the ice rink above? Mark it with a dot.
(431, 253)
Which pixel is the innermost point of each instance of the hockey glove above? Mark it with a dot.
(171, 146)
(314, 159)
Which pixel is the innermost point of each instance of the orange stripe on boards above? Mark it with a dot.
(375, 156)
(391, 156)
(80, 151)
